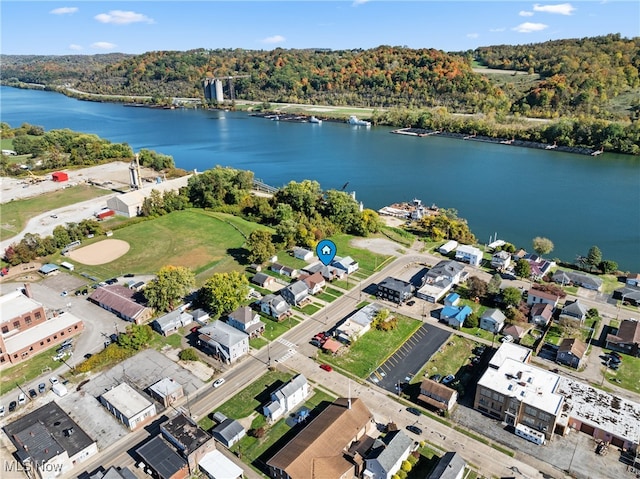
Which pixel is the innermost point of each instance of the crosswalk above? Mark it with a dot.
(290, 353)
(288, 344)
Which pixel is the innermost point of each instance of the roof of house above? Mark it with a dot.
(276, 302)
(262, 278)
(200, 315)
(42, 431)
(391, 448)
(452, 298)
(174, 319)
(186, 432)
(468, 249)
(223, 334)
(114, 473)
(297, 250)
(317, 450)
(543, 294)
(161, 457)
(165, 387)
(331, 345)
(437, 389)
(216, 465)
(629, 331)
(395, 284)
(628, 292)
(446, 268)
(344, 263)
(118, 298)
(561, 276)
(573, 346)
(574, 308)
(48, 268)
(126, 400)
(243, 315)
(290, 387)
(514, 331)
(16, 304)
(542, 309)
(494, 314)
(510, 351)
(297, 288)
(228, 430)
(448, 467)
(313, 280)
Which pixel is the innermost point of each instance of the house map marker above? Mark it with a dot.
(326, 251)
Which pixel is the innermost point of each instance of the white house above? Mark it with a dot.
(295, 293)
(247, 321)
(275, 306)
(303, 254)
(360, 322)
(492, 320)
(501, 260)
(448, 247)
(347, 264)
(224, 341)
(469, 254)
(386, 455)
(286, 398)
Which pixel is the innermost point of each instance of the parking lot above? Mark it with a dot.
(410, 357)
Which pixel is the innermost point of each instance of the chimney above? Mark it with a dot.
(27, 290)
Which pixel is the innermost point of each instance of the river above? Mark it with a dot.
(576, 201)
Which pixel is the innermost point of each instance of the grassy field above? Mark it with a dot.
(628, 375)
(372, 349)
(203, 241)
(367, 260)
(27, 370)
(450, 359)
(15, 214)
(273, 329)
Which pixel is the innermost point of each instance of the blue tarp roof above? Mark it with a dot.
(48, 268)
(452, 297)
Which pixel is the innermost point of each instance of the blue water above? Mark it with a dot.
(577, 201)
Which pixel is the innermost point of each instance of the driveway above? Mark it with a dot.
(410, 357)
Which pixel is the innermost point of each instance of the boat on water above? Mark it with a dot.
(313, 119)
(353, 120)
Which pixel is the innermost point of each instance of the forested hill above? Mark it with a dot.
(597, 76)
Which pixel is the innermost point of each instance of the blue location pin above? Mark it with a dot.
(326, 251)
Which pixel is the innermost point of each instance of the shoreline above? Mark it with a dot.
(421, 133)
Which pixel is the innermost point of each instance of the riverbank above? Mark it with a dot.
(420, 132)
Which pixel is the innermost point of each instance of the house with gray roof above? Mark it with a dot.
(200, 316)
(223, 341)
(228, 432)
(576, 278)
(347, 264)
(492, 320)
(439, 280)
(246, 320)
(450, 466)
(275, 306)
(628, 294)
(627, 338)
(295, 293)
(171, 322)
(329, 273)
(286, 398)
(263, 279)
(574, 311)
(385, 457)
(394, 289)
(303, 253)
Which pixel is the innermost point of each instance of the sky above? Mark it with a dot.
(87, 27)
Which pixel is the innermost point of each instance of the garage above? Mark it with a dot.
(587, 429)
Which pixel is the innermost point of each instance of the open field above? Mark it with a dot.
(15, 214)
(27, 371)
(450, 359)
(203, 241)
(628, 374)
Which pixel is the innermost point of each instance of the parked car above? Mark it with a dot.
(32, 393)
(129, 275)
(436, 377)
(12, 406)
(411, 303)
(480, 350)
(316, 343)
(42, 387)
(22, 399)
(414, 429)
(1, 411)
(414, 410)
(326, 367)
(218, 382)
(615, 355)
(448, 379)
(507, 339)
(54, 380)
(64, 293)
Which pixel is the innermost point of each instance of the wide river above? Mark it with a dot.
(577, 201)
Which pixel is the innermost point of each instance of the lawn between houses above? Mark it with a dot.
(373, 348)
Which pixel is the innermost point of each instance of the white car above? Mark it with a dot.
(54, 380)
(22, 399)
(507, 339)
(1, 411)
(218, 382)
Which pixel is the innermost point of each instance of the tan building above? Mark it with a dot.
(437, 395)
(128, 406)
(321, 449)
(26, 330)
(130, 204)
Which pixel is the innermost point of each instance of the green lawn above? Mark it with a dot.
(27, 370)
(273, 329)
(372, 349)
(366, 259)
(173, 340)
(450, 359)
(309, 309)
(326, 297)
(628, 374)
(15, 214)
(287, 259)
(554, 335)
(481, 333)
(258, 343)
(193, 238)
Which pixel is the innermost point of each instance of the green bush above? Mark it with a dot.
(406, 466)
(188, 354)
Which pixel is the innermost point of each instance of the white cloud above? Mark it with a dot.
(104, 45)
(524, 13)
(358, 2)
(274, 39)
(64, 10)
(76, 47)
(529, 27)
(472, 35)
(502, 29)
(560, 9)
(120, 17)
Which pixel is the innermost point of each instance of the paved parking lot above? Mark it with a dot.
(409, 359)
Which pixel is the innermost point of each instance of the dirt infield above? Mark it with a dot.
(101, 252)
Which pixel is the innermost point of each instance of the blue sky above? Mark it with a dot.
(87, 27)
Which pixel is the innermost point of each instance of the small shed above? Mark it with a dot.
(60, 176)
(166, 391)
(49, 269)
(216, 466)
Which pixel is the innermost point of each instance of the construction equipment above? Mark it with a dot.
(35, 178)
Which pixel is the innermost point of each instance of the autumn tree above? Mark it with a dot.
(522, 268)
(171, 284)
(511, 296)
(477, 287)
(260, 246)
(137, 337)
(224, 292)
(542, 245)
